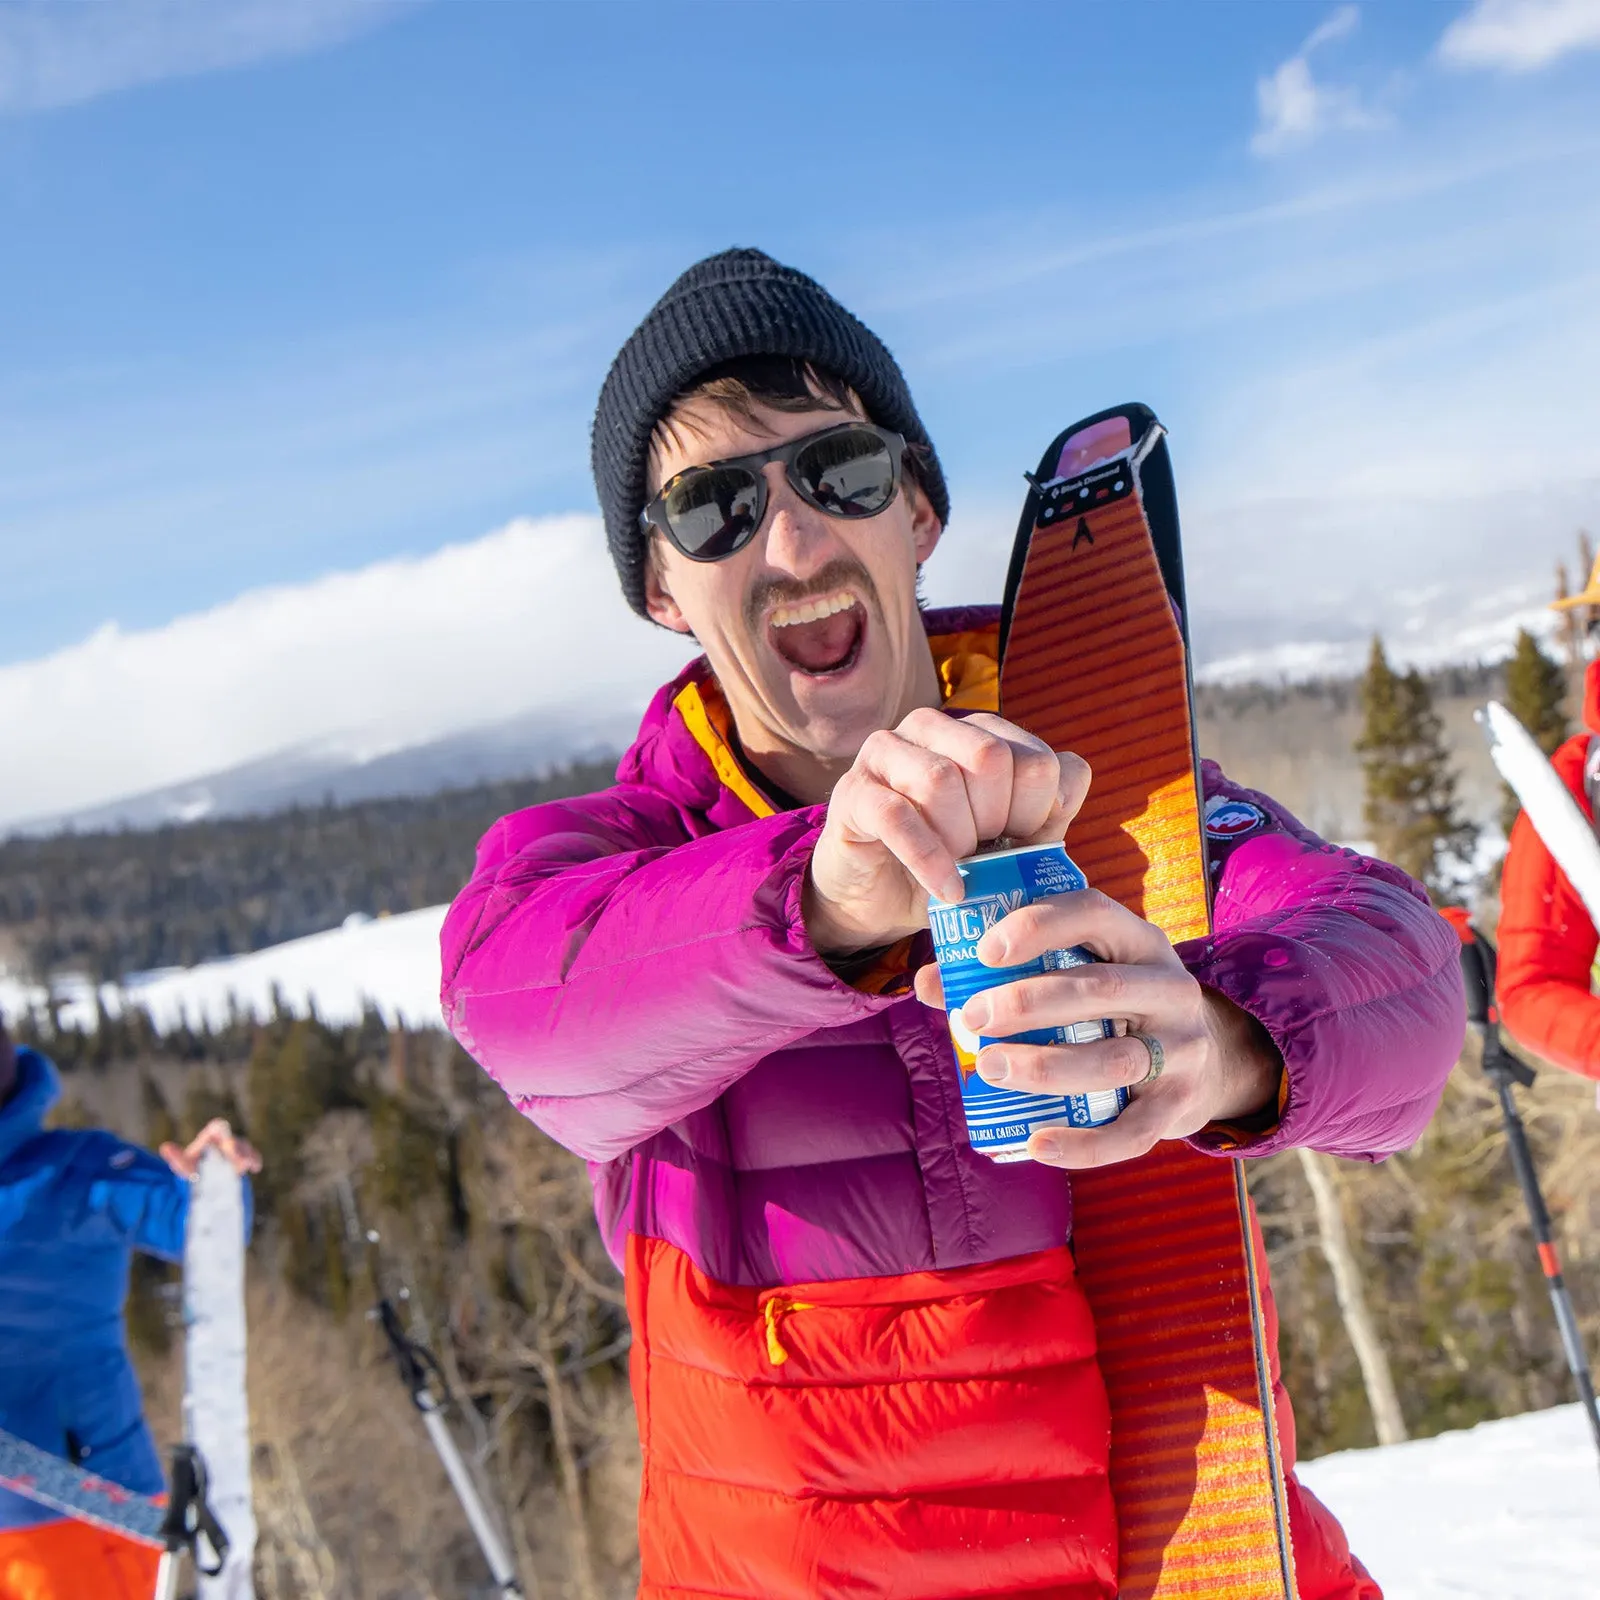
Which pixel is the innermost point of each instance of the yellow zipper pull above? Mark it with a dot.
(777, 1307)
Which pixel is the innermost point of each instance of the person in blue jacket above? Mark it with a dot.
(74, 1206)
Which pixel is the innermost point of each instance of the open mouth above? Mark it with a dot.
(819, 636)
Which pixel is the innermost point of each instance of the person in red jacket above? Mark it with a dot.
(1547, 941)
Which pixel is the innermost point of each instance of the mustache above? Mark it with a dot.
(841, 573)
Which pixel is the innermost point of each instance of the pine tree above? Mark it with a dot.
(1536, 688)
(1410, 788)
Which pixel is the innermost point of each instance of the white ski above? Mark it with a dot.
(1555, 815)
(216, 1407)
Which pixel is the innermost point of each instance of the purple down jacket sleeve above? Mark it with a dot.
(615, 973)
(1344, 962)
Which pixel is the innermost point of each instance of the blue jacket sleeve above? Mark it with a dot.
(146, 1201)
(149, 1204)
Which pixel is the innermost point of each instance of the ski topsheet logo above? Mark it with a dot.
(1232, 819)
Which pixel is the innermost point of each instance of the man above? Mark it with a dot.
(1547, 942)
(862, 1362)
(74, 1206)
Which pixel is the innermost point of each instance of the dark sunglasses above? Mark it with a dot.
(711, 512)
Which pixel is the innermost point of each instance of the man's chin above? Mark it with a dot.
(835, 719)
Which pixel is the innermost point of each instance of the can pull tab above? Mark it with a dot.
(772, 1311)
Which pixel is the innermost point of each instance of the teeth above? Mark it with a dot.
(813, 610)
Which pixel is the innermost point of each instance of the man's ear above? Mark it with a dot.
(658, 599)
(925, 524)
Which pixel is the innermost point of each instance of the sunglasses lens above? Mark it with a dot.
(712, 511)
(849, 472)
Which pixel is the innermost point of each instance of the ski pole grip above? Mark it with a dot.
(1479, 984)
(189, 1515)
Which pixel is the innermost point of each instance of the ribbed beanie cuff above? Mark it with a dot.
(739, 303)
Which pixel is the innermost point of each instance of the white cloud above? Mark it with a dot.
(1294, 108)
(527, 618)
(54, 53)
(1521, 35)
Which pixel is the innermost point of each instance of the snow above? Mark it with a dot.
(391, 963)
(1508, 1510)
(1432, 633)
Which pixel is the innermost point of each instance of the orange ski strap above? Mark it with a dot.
(1095, 662)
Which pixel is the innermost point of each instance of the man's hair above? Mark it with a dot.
(779, 383)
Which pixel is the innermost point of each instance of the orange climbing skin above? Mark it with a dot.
(1547, 942)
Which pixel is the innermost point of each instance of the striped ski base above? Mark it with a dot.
(37, 1475)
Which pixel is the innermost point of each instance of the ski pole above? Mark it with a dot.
(417, 1365)
(1503, 1069)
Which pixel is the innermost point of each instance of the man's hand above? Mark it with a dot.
(917, 799)
(1220, 1063)
(216, 1135)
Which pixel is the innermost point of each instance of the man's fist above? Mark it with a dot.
(917, 799)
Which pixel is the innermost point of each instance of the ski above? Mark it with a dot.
(1095, 659)
(216, 1410)
(27, 1470)
(1555, 815)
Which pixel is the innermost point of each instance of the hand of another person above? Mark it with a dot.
(1219, 1063)
(241, 1155)
(916, 800)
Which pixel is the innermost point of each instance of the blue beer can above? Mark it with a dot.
(999, 1120)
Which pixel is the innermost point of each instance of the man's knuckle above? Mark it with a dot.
(921, 723)
(895, 810)
(1103, 982)
(876, 747)
(1027, 1071)
(940, 777)
(991, 758)
(1035, 764)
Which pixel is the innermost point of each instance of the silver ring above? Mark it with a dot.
(1158, 1056)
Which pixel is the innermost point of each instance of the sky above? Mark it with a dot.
(312, 298)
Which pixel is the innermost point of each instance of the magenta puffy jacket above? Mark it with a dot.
(632, 967)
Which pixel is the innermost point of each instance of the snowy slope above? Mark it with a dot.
(391, 963)
(1505, 1511)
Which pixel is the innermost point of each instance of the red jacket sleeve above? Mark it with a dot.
(1547, 943)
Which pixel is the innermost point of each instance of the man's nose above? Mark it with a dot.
(800, 538)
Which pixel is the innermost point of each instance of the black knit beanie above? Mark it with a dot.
(739, 303)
